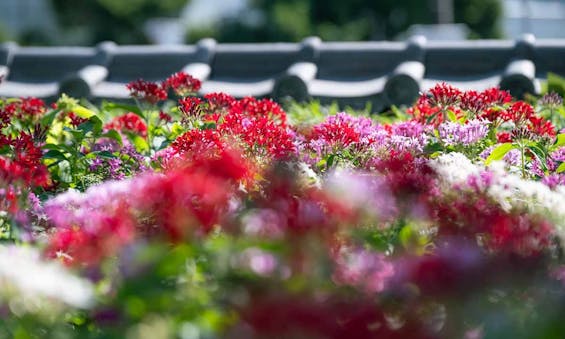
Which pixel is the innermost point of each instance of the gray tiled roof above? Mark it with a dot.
(352, 73)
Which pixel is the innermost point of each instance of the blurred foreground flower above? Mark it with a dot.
(24, 276)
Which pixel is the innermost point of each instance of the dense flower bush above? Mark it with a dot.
(216, 217)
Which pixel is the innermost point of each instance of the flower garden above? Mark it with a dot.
(188, 217)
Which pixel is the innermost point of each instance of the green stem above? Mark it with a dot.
(523, 154)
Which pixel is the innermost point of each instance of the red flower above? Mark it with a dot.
(218, 101)
(76, 120)
(165, 117)
(444, 95)
(25, 166)
(503, 137)
(32, 107)
(496, 96)
(541, 127)
(335, 132)
(519, 113)
(88, 246)
(182, 84)
(146, 91)
(424, 113)
(252, 107)
(129, 122)
(191, 106)
(200, 140)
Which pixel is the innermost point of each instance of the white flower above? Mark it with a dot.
(23, 271)
(454, 167)
(509, 190)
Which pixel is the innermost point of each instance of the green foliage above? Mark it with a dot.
(556, 84)
(119, 21)
(292, 20)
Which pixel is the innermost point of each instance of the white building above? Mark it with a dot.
(543, 18)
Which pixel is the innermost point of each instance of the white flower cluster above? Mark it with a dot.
(454, 168)
(509, 190)
(24, 273)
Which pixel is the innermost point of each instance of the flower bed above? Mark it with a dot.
(204, 217)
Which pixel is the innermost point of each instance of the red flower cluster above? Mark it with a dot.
(301, 210)
(291, 316)
(77, 245)
(477, 102)
(180, 203)
(444, 95)
(147, 91)
(25, 166)
(152, 92)
(24, 169)
(27, 109)
(196, 142)
(219, 101)
(258, 124)
(191, 106)
(129, 122)
(407, 176)
(423, 112)
(430, 109)
(336, 133)
(491, 104)
(76, 120)
(182, 84)
(473, 215)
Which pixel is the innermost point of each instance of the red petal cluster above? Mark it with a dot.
(147, 91)
(182, 84)
(129, 122)
(258, 124)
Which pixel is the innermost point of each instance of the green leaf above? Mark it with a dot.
(560, 141)
(48, 118)
(113, 134)
(129, 108)
(105, 154)
(51, 146)
(330, 161)
(451, 116)
(499, 152)
(140, 143)
(433, 148)
(83, 112)
(411, 240)
(176, 130)
(54, 154)
(406, 236)
(93, 124)
(540, 154)
(208, 125)
(64, 172)
(561, 168)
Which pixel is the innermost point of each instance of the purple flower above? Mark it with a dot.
(554, 180)
(452, 133)
(412, 129)
(96, 164)
(114, 167)
(559, 155)
(139, 160)
(106, 144)
(368, 270)
(513, 157)
(551, 100)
